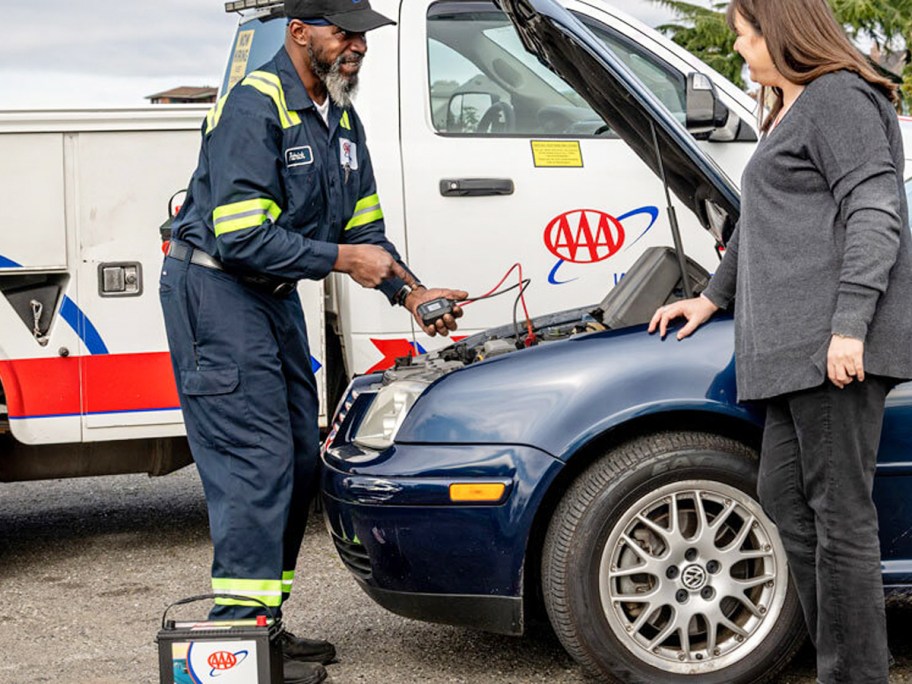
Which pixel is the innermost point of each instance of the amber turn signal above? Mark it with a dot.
(479, 491)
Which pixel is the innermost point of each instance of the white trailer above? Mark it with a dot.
(82, 343)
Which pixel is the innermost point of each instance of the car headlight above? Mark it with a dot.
(381, 422)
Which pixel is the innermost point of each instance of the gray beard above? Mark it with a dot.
(341, 88)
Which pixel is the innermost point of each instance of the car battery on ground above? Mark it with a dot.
(220, 652)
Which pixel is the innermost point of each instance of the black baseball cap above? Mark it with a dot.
(351, 15)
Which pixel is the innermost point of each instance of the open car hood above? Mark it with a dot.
(567, 47)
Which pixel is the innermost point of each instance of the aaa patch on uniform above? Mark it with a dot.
(299, 156)
(348, 154)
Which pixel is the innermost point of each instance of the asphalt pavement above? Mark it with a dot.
(87, 566)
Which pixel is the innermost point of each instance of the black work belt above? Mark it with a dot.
(261, 283)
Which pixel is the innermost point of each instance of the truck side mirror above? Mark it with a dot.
(705, 112)
(464, 111)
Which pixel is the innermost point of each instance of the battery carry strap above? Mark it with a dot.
(203, 597)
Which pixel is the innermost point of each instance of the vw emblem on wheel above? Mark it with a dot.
(693, 577)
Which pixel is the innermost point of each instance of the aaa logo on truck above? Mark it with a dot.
(588, 236)
(584, 236)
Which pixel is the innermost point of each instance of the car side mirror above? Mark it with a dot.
(464, 111)
(705, 112)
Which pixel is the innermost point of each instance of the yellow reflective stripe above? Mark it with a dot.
(267, 591)
(246, 214)
(293, 117)
(364, 219)
(263, 204)
(369, 202)
(367, 210)
(344, 122)
(271, 86)
(270, 91)
(212, 118)
(272, 602)
(287, 580)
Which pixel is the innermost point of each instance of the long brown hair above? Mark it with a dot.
(805, 42)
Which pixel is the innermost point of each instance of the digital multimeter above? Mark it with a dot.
(430, 312)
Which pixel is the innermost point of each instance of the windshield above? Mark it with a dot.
(255, 44)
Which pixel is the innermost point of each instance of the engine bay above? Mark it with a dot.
(652, 281)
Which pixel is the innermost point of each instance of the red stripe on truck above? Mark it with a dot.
(112, 383)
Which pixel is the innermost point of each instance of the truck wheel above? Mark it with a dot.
(659, 565)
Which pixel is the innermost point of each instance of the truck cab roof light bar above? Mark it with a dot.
(240, 5)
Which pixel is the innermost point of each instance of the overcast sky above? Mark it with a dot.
(100, 53)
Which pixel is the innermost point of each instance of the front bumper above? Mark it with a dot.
(420, 555)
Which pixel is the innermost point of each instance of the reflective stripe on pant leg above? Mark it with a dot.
(267, 591)
(287, 583)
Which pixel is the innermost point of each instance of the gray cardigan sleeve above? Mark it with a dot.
(722, 286)
(852, 152)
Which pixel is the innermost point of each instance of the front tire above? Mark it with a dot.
(659, 565)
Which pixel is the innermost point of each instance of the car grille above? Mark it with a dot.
(355, 558)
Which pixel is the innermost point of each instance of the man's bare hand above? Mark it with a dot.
(845, 360)
(697, 311)
(442, 326)
(368, 265)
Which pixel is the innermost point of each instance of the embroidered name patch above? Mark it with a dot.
(299, 156)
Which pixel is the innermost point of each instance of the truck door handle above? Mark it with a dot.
(475, 187)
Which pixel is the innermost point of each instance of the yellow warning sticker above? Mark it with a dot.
(557, 153)
(240, 57)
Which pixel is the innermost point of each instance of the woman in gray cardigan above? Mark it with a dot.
(819, 271)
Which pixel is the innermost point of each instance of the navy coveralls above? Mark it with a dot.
(274, 193)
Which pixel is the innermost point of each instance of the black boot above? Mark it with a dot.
(297, 672)
(307, 650)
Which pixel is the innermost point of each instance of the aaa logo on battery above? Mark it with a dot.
(225, 660)
(584, 236)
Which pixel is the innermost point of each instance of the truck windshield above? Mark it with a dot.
(255, 44)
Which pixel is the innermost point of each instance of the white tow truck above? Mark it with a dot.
(483, 157)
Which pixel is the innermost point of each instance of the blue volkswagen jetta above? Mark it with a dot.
(602, 474)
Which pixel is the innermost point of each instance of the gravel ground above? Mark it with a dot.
(87, 566)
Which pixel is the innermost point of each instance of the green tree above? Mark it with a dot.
(704, 32)
(887, 22)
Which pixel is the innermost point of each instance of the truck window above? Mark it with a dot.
(483, 82)
(451, 72)
(667, 84)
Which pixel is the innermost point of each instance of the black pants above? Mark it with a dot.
(816, 479)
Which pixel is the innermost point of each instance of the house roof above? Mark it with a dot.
(186, 93)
